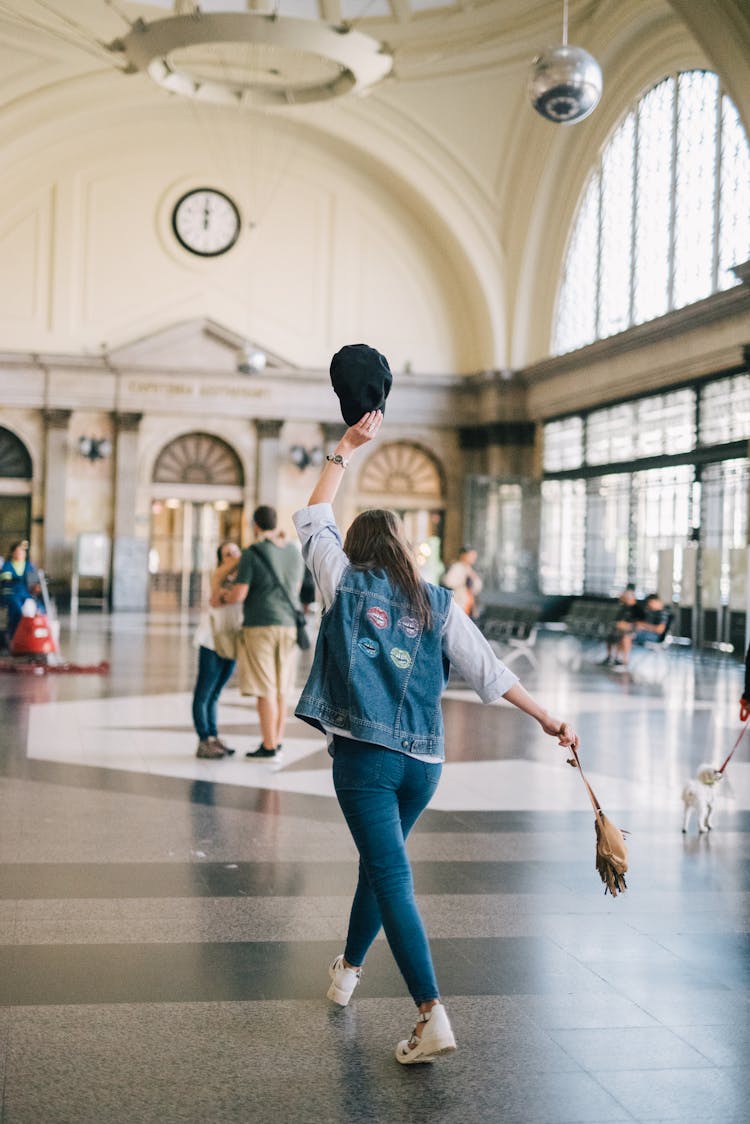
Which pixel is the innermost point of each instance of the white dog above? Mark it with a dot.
(700, 793)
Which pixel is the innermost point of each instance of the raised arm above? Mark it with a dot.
(356, 435)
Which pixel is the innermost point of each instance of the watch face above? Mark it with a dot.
(206, 222)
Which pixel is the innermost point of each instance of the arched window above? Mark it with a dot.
(15, 461)
(198, 458)
(664, 216)
(402, 474)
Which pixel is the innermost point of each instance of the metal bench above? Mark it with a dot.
(511, 632)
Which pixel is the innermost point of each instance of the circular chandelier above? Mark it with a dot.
(294, 61)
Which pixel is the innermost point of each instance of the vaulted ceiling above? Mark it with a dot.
(449, 134)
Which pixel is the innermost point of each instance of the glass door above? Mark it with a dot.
(185, 535)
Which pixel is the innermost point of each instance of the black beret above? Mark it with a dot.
(362, 379)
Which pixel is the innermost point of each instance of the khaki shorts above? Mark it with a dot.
(267, 660)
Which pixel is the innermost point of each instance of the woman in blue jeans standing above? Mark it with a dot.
(380, 666)
(214, 670)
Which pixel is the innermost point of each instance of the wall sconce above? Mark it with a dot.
(302, 458)
(94, 448)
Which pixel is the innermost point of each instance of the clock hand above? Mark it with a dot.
(206, 214)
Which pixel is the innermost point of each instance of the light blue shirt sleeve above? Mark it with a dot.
(472, 656)
(322, 548)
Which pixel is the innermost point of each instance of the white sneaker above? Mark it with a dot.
(437, 1038)
(343, 981)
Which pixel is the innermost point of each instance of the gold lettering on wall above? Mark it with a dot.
(234, 391)
(160, 388)
(185, 390)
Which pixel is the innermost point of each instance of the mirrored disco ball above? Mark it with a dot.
(565, 84)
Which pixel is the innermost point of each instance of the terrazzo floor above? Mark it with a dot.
(166, 923)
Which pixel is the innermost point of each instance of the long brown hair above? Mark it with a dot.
(376, 541)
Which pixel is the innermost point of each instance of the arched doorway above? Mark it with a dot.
(196, 503)
(408, 479)
(15, 490)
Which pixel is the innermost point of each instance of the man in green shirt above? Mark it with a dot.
(269, 576)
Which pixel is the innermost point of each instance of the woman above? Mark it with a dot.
(19, 581)
(214, 669)
(379, 669)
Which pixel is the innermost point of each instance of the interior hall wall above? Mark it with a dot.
(328, 254)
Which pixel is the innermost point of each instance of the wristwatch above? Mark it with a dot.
(336, 458)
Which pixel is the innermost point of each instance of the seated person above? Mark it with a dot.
(624, 622)
(650, 625)
(18, 581)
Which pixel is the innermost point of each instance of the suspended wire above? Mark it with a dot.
(83, 32)
(241, 149)
(361, 15)
(90, 46)
(126, 19)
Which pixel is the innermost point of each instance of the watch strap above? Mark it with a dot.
(336, 458)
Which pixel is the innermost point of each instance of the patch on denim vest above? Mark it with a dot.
(409, 625)
(378, 617)
(369, 647)
(401, 658)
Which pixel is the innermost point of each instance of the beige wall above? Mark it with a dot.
(429, 218)
(87, 255)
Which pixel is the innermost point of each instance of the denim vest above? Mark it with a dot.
(377, 672)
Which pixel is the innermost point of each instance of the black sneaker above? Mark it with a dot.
(261, 752)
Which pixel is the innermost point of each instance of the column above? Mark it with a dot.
(268, 432)
(129, 550)
(332, 434)
(58, 552)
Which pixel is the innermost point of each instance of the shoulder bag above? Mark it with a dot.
(303, 637)
(611, 852)
(226, 625)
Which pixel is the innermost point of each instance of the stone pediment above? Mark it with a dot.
(192, 346)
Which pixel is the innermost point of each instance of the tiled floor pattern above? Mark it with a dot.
(165, 923)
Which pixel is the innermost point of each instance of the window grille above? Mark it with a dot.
(563, 444)
(663, 217)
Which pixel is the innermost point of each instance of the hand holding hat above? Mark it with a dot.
(365, 430)
(362, 379)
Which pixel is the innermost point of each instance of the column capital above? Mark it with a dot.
(126, 422)
(333, 431)
(57, 419)
(268, 428)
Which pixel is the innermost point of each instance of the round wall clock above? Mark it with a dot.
(206, 222)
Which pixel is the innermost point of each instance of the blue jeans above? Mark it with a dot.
(382, 793)
(213, 675)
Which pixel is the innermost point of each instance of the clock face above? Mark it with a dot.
(206, 222)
